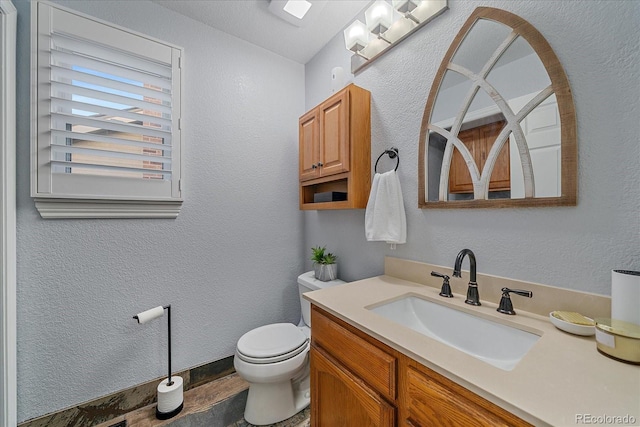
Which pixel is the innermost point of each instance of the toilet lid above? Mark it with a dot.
(275, 341)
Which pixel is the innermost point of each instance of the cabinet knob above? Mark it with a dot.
(319, 164)
(314, 166)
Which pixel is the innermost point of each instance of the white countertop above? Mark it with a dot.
(563, 380)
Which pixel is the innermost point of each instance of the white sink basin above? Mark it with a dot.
(494, 343)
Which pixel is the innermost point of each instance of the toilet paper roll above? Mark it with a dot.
(625, 296)
(170, 396)
(150, 314)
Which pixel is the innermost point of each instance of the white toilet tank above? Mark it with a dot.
(307, 282)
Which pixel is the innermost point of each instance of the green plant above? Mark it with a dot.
(329, 258)
(320, 257)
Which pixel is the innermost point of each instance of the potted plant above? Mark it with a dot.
(324, 264)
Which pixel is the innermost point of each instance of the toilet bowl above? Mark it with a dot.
(274, 360)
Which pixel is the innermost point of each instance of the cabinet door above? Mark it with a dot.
(479, 141)
(338, 398)
(309, 140)
(501, 176)
(334, 134)
(349, 349)
(459, 175)
(433, 400)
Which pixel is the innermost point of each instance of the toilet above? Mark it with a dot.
(274, 360)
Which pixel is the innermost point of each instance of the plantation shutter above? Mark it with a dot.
(108, 111)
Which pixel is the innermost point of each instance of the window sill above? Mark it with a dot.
(79, 208)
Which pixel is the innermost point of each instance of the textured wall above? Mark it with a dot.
(227, 264)
(570, 247)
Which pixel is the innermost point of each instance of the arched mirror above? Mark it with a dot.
(499, 126)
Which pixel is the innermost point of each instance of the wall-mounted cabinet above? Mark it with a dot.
(335, 151)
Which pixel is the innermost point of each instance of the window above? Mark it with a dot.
(107, 119)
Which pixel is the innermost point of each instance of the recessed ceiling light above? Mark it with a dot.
(297, 8)
(297, 12)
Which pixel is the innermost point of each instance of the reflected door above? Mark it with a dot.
(542, 130)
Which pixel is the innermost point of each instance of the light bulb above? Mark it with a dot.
(379, 17)
(356, 36)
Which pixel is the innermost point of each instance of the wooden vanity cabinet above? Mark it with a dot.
(335, 150)
(353, 381)
(344, 399)
(430, 399)
(358, 381)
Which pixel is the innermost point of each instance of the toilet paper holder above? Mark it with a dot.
(168, 405)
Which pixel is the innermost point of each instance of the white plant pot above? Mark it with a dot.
(326, 272)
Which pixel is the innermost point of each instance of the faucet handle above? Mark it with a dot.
(445, 291)
(505, 306)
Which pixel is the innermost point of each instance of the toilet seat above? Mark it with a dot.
(272, 343)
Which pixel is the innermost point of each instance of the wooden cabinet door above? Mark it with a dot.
(459, 175)
(309, 140)
(501, 176)
(334, 134)
(349, 349)
(433, 400)
(339, 399)
(479, 141)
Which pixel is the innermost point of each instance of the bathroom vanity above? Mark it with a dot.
(376, 382)
(371, 370)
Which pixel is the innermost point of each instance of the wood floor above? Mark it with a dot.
(211, 404)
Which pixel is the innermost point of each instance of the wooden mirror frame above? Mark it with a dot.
(562, 91)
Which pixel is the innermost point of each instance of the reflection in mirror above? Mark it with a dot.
(518, 71)
(542, 131)
(454, 87)
(480, 43)
(492, 127)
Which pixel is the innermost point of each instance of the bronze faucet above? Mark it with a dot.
(473, 297)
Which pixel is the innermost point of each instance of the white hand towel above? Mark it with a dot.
(384, 218)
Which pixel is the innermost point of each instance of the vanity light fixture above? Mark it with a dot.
(379, 17)
(388, 26)
(356, 37)
(406, 7)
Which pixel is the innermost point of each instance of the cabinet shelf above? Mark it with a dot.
(310, 188)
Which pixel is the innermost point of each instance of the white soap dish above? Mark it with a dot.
(573, 328)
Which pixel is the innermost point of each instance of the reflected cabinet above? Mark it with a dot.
(479, 141)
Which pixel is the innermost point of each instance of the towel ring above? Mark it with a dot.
(393, 154)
